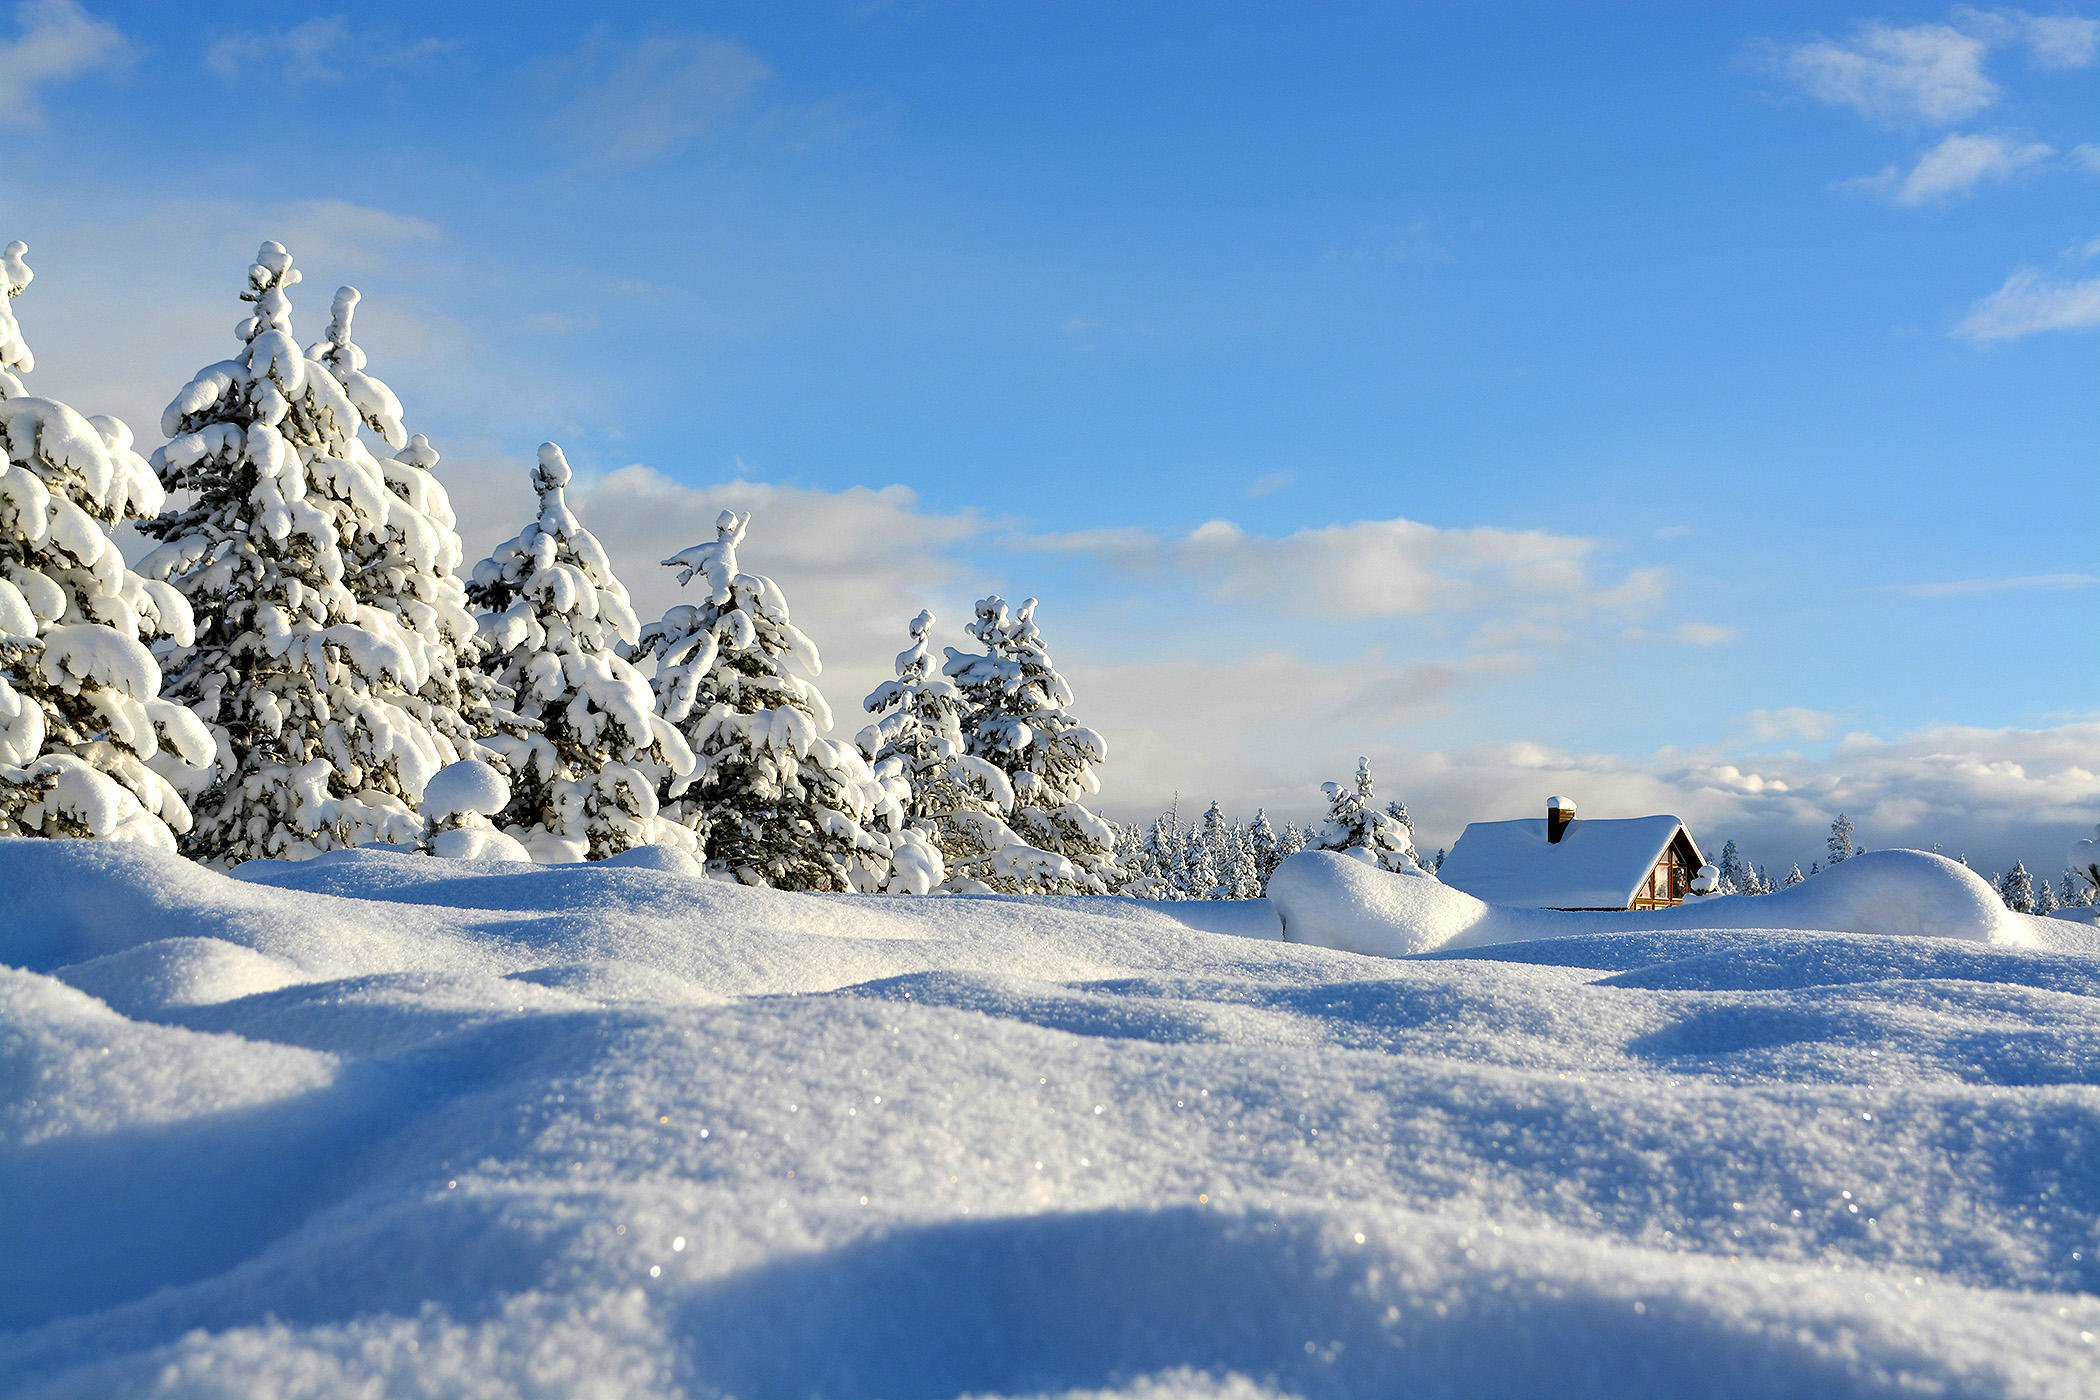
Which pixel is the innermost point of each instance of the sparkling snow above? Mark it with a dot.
(383, 1124)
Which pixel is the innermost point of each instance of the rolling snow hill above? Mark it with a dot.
(382, 1124)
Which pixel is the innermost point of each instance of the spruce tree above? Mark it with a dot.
(773, 799)
(1793, 877)
(2016, 888)
(1017, 718)
(958, 800)
(1840, 842)
(82, 723)
(408, 568)
(584, 779)
(299, 684)
(1356, 827)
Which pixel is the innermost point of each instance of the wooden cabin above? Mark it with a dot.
(1567, 863)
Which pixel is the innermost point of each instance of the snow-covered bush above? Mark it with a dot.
(299, 683)
(81, 718)
(1357, 827)
(584, 777)
(959, 801)
(1016, 717)
(773, 799)
(461, 802)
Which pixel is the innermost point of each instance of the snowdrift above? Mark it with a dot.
(384, 1124)
(1339, 902)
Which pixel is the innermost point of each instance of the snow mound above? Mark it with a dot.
(466, 787)
(1330, 900)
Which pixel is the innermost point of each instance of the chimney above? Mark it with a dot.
(1560, 815)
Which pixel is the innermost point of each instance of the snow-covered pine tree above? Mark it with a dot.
(1232, 857)
(1355, 826)
(1734, 877)
(2016, 888)
(774, 800)
(2075, 889)
(960, 801)
(584, 780)
(81, 718)
(1016, 716)
(1840, 842)
(1764, 881)
(1265, 845)
(299, 683)
(2045, 900)
(1793, 877)
(409, 567)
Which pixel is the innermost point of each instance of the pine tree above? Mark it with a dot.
(960, 801)
(584, 779)
(2045, 900)
(1267, 848)
(1357, 827)
(2075, 889)
(1016, 717)
(774, 801)
(409, 569)
(81, 718)
(2016, 888)
(1793, 877)
(299, 684)
(1840, 842)
(1734, 877)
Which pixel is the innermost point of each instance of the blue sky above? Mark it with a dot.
(1683, 407)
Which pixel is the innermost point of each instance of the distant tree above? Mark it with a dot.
(2016, 888)
(2045, 900)
(1017, 716)
(1356, 826)
(1840, 843)
(584, 781)
(1735, 877)
(1793, 877)
(775, 801)
(958, 800)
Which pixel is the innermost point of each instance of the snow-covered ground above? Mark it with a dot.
(388, 1125)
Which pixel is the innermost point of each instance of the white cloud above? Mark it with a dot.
(2031, 302)
(317, 50)
(2052, 41)
(1381, 569)
(57, 40)
(1705, 634)
(1791, 722)
(1962, 587)
(1891, 73)
(2086, 156)
(636, 103)
(1269, 483)
(1954, 168)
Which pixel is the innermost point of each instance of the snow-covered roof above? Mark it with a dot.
(1596, 864)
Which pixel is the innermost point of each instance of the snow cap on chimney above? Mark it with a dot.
(1560, 813)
